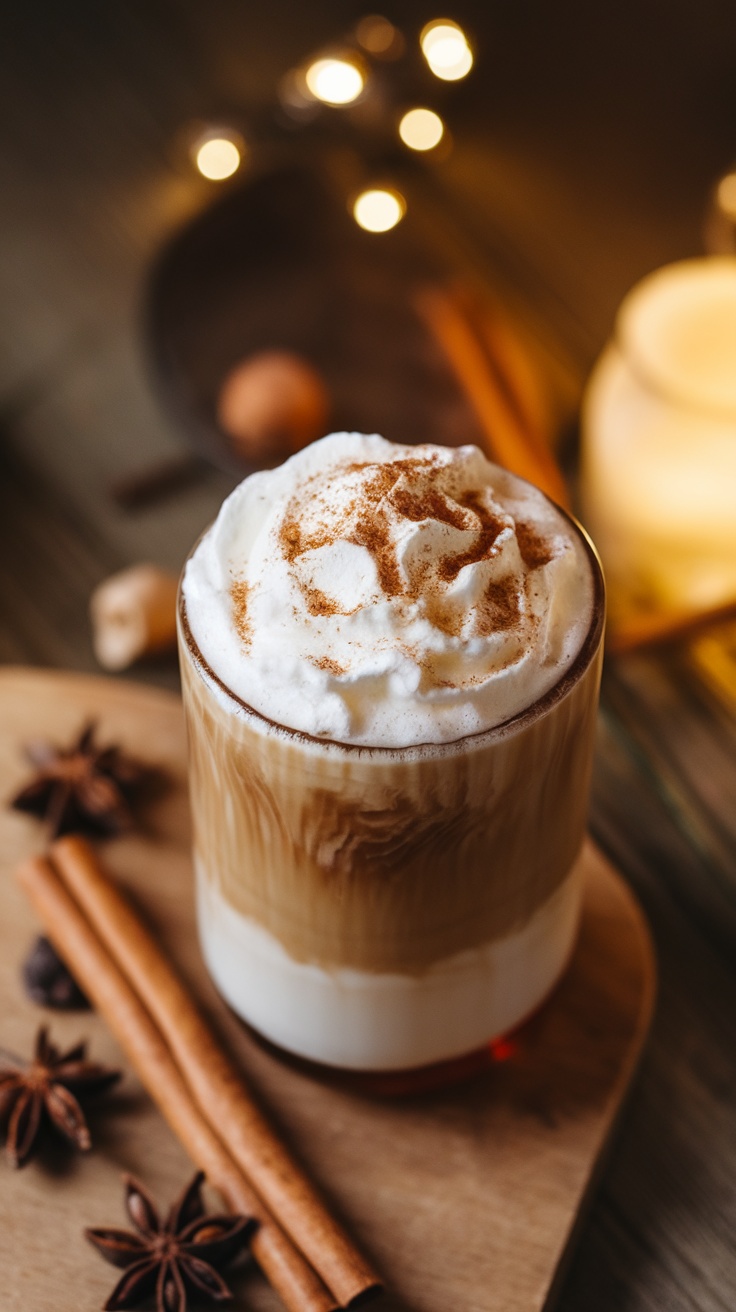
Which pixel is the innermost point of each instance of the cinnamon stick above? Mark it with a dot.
(491, 392)
(79, 945)
(215, 1084)
(514, 364)
(653, 630)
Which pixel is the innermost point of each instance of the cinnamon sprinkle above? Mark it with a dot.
(490, 528)
(318, 603)
(535, 551)
(331, 667)
(443, 614)
(239, 593)
(290, 537)
(387, 473)
(375, 535)
(500, 608)
(429, 505)
(365, 523)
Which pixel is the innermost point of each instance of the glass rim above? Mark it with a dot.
(423, 750)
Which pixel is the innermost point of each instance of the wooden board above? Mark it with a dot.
(466, 1198)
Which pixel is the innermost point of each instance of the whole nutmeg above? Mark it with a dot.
(47, 980)
(271, 404)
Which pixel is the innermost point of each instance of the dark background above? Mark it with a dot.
(587, 140)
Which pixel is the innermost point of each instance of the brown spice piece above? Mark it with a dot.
(535, 550)
(133, 614)
(84, 788)
(42, 1091)
(172, 1257)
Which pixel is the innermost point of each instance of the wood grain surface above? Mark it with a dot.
(465, 1198)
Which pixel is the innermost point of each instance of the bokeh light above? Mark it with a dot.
(446, 50)
(379, 37)
(335, 81)
(421, 129)
(379, 209)
(218, 155)
(726, 195)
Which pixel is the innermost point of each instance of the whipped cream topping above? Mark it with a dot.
(385, 595)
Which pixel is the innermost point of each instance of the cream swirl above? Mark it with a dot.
(387, 595)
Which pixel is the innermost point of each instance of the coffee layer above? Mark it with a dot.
(387, 861)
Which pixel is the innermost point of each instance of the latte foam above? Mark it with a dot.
(385, 595)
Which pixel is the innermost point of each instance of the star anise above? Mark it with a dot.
(44, 1091)
(82, 788)
(174, 1257)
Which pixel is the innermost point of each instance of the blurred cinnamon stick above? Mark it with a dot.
(492, 370)
(647, 631)
(154, 482)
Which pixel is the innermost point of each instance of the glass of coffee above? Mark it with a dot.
(390, 659)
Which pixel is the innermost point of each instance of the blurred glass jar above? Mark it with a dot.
(659, 441)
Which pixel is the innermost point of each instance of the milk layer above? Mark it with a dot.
(364, 1021)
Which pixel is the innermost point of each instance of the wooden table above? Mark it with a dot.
(585, 145)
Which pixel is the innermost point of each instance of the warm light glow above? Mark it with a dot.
(217, 158)
(379, 209)
(446, 50)
(335, 81)
(377, 35)
(421, 129)
(503, 1049)
(659, 450)
(294, 96)
(727, 196)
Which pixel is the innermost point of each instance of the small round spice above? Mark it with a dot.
(47, 980)
(271, 404)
